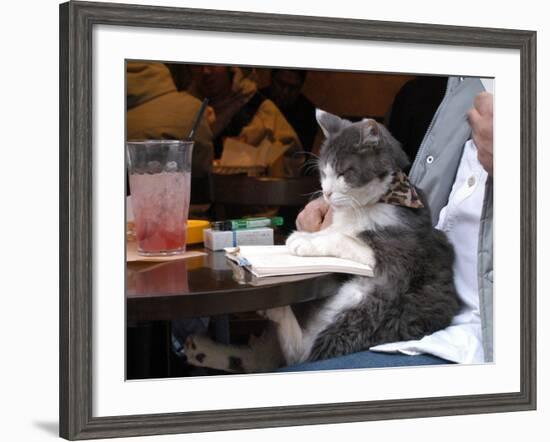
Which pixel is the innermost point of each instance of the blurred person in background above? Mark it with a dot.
(286, 92)
(157, 110)
(241, 112)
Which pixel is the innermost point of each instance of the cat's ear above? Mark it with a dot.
(370, 132)
(373, 134)
(330, 124)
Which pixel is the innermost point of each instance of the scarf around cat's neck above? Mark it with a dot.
(401, 192)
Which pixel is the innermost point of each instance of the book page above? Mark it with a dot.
(277, 260)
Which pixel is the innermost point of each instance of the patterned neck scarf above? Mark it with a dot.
(402, 192)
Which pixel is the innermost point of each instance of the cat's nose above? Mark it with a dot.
(327, 194)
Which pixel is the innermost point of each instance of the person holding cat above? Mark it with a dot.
(380, 219)
(461, 205)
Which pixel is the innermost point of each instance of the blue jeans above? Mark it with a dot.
(367, 359)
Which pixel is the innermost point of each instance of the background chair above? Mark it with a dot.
(234, 194)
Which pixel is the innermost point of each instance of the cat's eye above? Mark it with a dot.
(348, 171)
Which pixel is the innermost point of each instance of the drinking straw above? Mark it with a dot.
(198, 119)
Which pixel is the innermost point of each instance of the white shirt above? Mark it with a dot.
(459, 219)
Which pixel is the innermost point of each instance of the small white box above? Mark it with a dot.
(217, 239)
(254, 237)
(220, 239)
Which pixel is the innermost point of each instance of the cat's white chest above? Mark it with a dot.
(377, 216)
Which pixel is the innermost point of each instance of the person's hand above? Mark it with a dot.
(481, 121)
(317, 215)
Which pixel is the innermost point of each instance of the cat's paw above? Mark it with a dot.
(301, 244)
(196, 350)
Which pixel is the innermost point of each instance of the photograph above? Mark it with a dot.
(284, 219)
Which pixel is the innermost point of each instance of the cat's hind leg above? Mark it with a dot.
(201, 351)
(261, 355)
(290, 335)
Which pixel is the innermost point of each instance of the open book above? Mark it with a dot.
(266, 261)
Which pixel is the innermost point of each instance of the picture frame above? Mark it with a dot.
(77, 20)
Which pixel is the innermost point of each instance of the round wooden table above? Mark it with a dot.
(206, 286)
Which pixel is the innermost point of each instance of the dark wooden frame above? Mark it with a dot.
(76, 161)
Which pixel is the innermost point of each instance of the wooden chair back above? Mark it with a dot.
(242, 190)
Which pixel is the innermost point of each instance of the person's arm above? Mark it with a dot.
(316, 215)
(481, 121)
(270, 124)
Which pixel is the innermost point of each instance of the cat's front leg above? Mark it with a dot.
(307, 244)
(330, 243)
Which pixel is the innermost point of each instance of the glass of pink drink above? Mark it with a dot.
(160, 187)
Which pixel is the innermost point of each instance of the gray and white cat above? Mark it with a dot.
(379, 218)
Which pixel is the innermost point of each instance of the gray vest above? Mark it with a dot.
(434, 170)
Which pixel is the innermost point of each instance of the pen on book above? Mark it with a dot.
(247, 223)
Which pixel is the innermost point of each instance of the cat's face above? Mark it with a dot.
(356, 161)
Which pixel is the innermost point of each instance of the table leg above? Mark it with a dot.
(148, 349)
(221, 329)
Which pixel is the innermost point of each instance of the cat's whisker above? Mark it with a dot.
(315, 192)
(355, 206)
(308, 153)
(351, 203)
(311, 164)
(356, 201)
(309, 168)
(303, 152)
(313, 195)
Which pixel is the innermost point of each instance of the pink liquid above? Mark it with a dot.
(161, 204)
